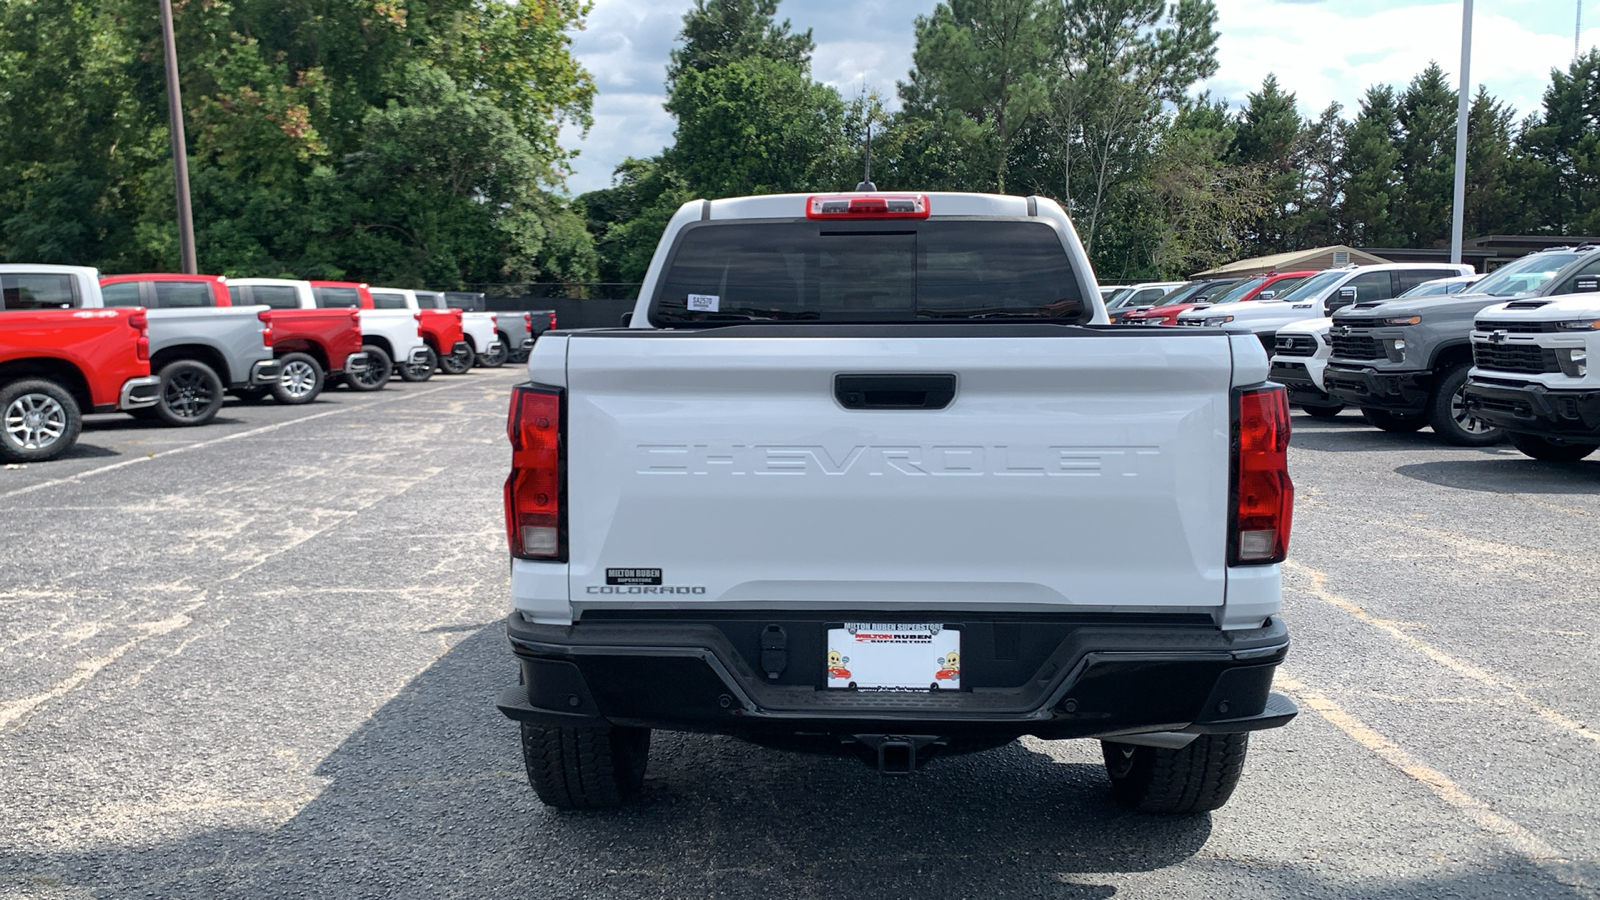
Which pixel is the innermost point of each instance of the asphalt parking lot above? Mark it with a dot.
(258, 659)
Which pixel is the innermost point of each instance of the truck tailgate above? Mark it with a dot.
(1087, 470)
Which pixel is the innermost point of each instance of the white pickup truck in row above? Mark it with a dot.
(870, 472)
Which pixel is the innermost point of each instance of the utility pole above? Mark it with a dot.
(1458, 213)
(180, 155)
(1577, 32)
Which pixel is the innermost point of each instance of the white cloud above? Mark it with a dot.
(1322, 50)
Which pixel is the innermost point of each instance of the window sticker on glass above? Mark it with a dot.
(704, 302)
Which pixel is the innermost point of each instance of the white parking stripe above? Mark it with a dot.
(1465, 669)
(73, 479)
(1480, 813)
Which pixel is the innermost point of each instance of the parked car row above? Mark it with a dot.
(1478, 361)
(168, 347)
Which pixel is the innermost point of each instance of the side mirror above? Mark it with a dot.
(1588, 284)
(1345, 297)
(1266, 295)
(627, 319)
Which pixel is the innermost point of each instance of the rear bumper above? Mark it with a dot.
(1404, 392)
(138, 393)
(527, 343)
(419, 355)
(1535, 409)
(461, 347)
(1091, 680)
(1301, 386)
(266, 372)
(355, 362)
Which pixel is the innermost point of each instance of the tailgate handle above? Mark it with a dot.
(894, 391)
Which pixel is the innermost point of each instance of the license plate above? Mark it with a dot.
(869, 656)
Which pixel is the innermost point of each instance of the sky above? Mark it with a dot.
(1323, 51)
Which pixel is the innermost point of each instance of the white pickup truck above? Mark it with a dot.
(480, 329)
(389, 338)
(870, 472)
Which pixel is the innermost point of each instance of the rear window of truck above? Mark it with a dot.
(336, 297)
(388, 300)
(26, 291)
(897, 271)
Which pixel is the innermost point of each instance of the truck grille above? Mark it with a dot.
(1353, 322)
(1518, 327)
(1356, 346)
(1296, 345)
(1524, 359)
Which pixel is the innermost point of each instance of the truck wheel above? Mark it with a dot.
(39, 420)
(495, 356)
(302, 379)
(1394, 423)
(191, 393)
(458, 362)
(585, 768)
(1450, 418)
(1199, 778)
(1323, 412)
(375, 375)
(1551, 449)
(421, 371)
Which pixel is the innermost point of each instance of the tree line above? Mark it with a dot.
(1092, 102)
(403, 142)
(391, 141)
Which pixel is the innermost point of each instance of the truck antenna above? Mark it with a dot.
(866, 177)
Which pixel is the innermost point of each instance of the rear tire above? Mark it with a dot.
(495, 356)
(458, 362)
(191, 393)
(585, 768)
(1394, 423)
(39, 420)
(302, 381)
(1199, 778)
(1449, 416)
(421, 371)
(375, 375)
(1551, 449)
(1323, 412)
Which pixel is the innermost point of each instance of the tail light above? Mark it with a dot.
(418, 317)
(355, 315)
(527, 322)
(495, 320)
(266, 327)
(141, 344)
(1263, 495)
(552, 320)
(534, 525)
(879, 206)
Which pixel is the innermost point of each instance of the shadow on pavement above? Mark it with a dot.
(427, 799)
(1509, 475)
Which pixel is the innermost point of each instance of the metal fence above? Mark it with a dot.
(591, 304)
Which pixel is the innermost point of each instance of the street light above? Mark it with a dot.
(1463, 106)
(180, 156)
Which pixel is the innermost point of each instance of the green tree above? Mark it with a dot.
(1371, 164)
(1426, 114)
(1268, 137)
(1561, 146)
(718, 32)
(1493, 205)
(1319, 154)
(979, 71)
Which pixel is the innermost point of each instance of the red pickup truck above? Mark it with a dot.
(57, 364)
(442, 329)
(313, 345)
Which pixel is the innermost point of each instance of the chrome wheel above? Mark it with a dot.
(188, 394)
(35, 421)
(299, 378)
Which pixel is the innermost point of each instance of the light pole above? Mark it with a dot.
(1463, 106)
(180, 155)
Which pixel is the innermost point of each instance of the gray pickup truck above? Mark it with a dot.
(518, 328)
(199, 352)
(1404, 363)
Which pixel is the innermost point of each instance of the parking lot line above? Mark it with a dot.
(1480, 813)
(72, 479)
(1319, 590)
